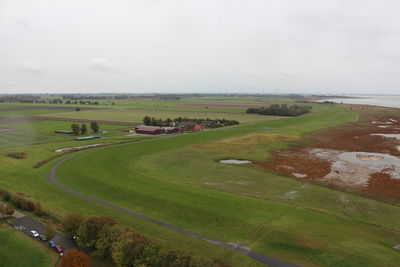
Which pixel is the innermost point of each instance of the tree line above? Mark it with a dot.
(83, 129)
(207, 123)
(109, 240)
(20, 202)
(280, 110)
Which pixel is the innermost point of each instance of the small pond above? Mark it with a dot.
(234, 161)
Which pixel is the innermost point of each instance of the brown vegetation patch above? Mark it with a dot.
(383, 183)
(17, 155)
(351, 137)
(295, 162)
(243, 143)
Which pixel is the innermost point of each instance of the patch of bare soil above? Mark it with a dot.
(3, 129)
(368, 157)
(6, 120)
(349, 155)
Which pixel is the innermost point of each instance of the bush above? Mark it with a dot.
(38, 211)
(22, 203)
(17, 155)
(49, 231)
(71, 223)
(5, 195)
(75, 258)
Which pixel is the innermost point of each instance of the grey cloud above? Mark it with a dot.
(288, 73)
(103, 64)
(31, 66)
(209, 46)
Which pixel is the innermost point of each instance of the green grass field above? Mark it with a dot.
(27, 133)
(136, 115)
(17, 250)
(178, 180)
(167, 179)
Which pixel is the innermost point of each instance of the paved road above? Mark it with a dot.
(26, 224)
(270, 261)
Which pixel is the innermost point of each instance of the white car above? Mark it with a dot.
(34, 233)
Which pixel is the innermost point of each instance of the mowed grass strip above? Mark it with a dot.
(17, 249)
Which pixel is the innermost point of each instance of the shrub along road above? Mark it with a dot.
(270, 261)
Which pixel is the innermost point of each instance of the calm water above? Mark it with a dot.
(386, 101)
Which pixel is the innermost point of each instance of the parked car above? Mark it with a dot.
(43, 238)
(52, 244)
(34, 233)
(59, 249)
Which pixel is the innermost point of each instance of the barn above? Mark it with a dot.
(144, 129)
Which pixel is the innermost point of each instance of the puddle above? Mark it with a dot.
(76, 147)
(356, 167)
(299, 175)
(397, 136)
(234, 161)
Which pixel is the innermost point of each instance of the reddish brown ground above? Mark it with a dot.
(350, 137)
(382, 183)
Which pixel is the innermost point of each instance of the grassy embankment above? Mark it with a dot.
(17, 249)
(166, 179)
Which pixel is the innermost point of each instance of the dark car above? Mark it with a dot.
(59, 249)
(43, 238)
(52, 244)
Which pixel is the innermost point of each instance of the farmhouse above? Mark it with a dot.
(171, 130)
(144, 129)
(191, 126)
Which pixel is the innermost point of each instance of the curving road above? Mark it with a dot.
(270, 261)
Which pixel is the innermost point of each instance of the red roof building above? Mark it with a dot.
(144, 129)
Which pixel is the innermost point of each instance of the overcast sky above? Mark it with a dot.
(139, 46)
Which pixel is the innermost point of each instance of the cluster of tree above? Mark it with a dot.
(83, 129)
(20, 98)
(22, 202)
(82, 102)
(6, 210)
(55, 101)
(281, 110)
(124, 247)
(207, 123)
(85, 97)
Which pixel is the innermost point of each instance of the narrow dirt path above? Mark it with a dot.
(270, 261)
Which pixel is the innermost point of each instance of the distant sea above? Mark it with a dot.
(380, 100)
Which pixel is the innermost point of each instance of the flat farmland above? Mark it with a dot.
(179, 180)
(136, 115)
(243, 204)
(25, 133)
